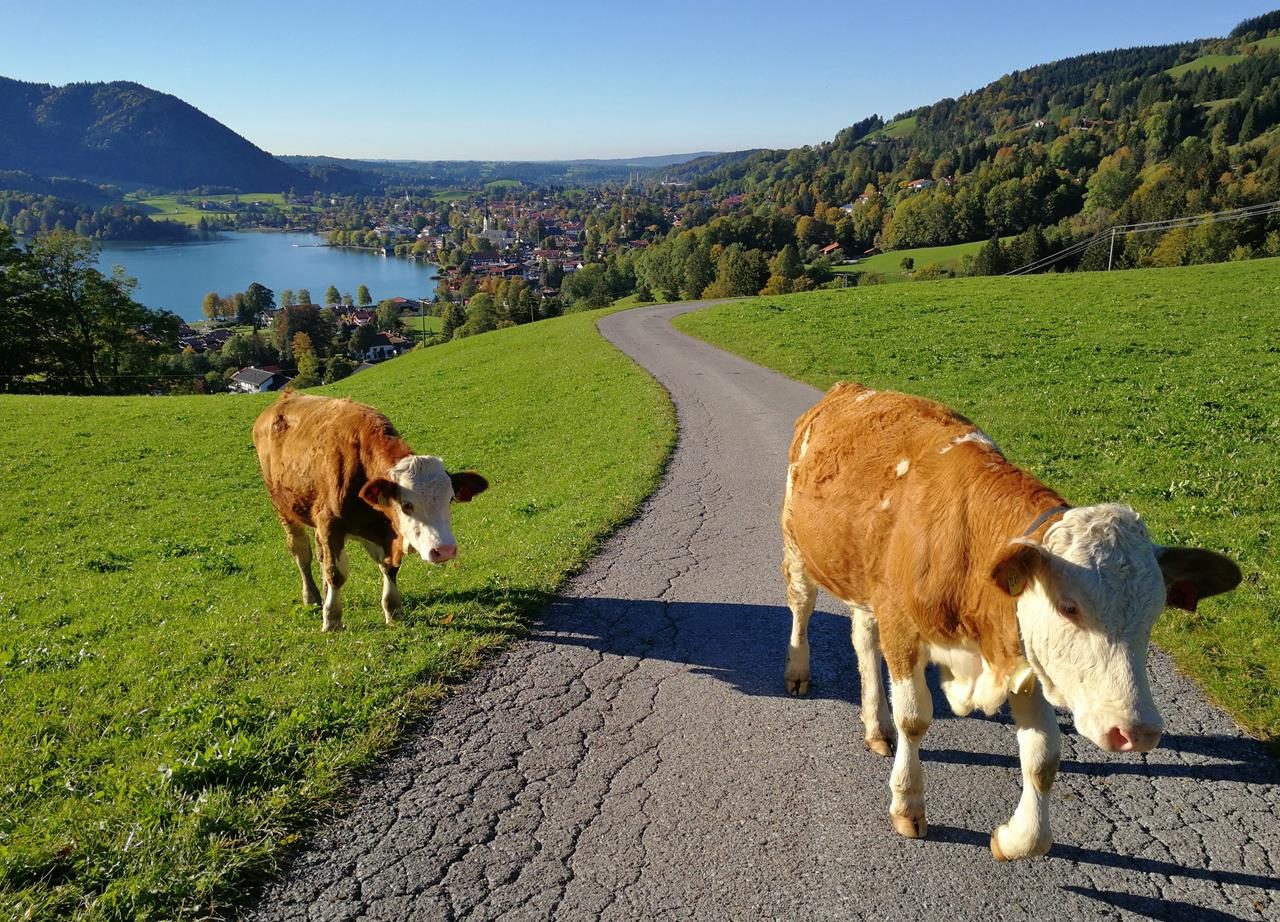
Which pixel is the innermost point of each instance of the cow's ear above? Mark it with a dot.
(1192, 574)
(1019, 562)
(379, 492)
(467, 484)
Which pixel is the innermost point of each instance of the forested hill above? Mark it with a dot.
(127, 133)
(1114, 136)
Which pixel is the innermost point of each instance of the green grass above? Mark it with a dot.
(503, 184)
(167, 207)
(1206, 62)
(172, 716)
(890, 263)
(1155, 388)
(901, 128)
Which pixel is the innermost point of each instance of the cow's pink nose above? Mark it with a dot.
(1138, 738)
(443, 552)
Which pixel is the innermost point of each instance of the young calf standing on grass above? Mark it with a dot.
(341, 469)
(947, 553)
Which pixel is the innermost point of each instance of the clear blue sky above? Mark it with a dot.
(498, 79)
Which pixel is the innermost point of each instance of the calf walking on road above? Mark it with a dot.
(340, 468)
(946, 552)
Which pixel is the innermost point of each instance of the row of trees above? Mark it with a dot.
(67, 328)
(31, 215)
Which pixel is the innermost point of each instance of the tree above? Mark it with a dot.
(388, 317)
(258, 300)
(364, 336)
(738, 272)
(337, 368)
(363, 298)
(287, 299)
(332, 296)
(452, 317)
(991, 259)
(304, 296)
(482, 316)
(211, 307)
(93, 337)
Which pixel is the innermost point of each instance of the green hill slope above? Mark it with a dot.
(173, 716)
(1152, 387)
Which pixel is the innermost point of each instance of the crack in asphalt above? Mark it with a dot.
(636, 756)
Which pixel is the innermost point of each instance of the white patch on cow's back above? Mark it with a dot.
(884, 504)
(903, 466)
(977, 436)
(804, 441)
(865, 395)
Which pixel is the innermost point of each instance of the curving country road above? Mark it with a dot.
(636, 757)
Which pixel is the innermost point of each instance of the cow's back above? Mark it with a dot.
(861, 462)
(313, 452)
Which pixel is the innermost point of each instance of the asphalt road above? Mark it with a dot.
(637, 756)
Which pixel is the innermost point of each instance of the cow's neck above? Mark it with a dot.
(1012, 501)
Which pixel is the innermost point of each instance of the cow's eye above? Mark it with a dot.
(1069, 610)
(407, 507)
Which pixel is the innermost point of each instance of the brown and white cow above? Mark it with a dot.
(946, 552)
(341, 468)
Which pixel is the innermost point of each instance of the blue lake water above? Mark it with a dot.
(176, 276)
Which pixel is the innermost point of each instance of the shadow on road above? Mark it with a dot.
(958, 836)
(1152, 908)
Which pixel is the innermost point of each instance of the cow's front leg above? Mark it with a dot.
(1027, 834)
(334, 563)
(392, 603)
(912, 714)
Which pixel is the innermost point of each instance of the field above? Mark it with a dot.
(890, 264)
(1155, 388)
(168, 208)
(172, 715)
(901, 128)
(1223, 61)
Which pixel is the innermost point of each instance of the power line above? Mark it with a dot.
(1146, 227)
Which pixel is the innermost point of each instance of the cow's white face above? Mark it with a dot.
(1092, 592)
(1087, 599)
(416, 496)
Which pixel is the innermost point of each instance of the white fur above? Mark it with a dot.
(903, 466)
(976, 435)
(865, 395)
(1102, 559)
(424, 484)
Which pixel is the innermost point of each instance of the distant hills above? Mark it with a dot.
(467, 172)
(128, 134)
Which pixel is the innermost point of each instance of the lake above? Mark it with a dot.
(177, 276)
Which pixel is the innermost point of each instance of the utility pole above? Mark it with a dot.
(1112, 250)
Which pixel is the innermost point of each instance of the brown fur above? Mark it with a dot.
(925, 563)
(317, 454)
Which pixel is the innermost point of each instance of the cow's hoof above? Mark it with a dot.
(797, 687)
(912, 827)
(393, 616)
(881, 747)
(1012, 852)
(330, 627)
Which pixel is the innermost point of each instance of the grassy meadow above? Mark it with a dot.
(1156, 388)
(168, 208)
(890, 264)
(172, 714)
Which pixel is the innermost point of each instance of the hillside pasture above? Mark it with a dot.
(169, 208)
(173, 716)
(1154, 387)
(890, 264)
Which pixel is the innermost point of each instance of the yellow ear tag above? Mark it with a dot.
(1022, 680)
(1016, 583)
